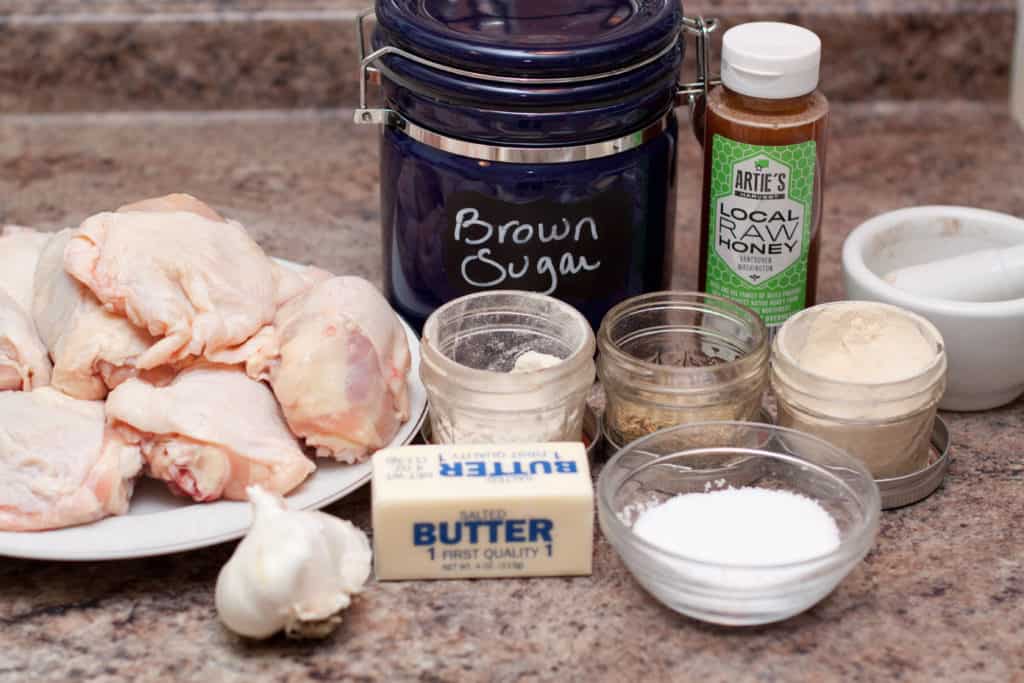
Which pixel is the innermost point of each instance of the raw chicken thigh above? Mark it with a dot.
(19, 252)
(24, 364)
(200, 285)
(338, 366)
(210, 433)
(59, 465)
(175, 315)
(93, 349)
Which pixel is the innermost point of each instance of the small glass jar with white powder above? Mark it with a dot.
(507, 366)
(866, 377)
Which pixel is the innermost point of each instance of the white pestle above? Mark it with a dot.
(986, 275)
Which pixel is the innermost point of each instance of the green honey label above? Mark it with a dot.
(760, 225)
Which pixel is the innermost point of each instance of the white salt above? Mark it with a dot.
(749, 526)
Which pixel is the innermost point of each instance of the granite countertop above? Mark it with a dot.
(941, 596)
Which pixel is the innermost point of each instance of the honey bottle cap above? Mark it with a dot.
(770, 60)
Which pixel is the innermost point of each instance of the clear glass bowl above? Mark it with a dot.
(699, 457)
(471, 344)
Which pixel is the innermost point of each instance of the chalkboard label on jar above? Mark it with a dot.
(568, 250)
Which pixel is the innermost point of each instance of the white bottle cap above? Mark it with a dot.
(770, 60)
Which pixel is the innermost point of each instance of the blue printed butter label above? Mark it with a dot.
(479, 511)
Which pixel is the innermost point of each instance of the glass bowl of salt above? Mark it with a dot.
(737, 523)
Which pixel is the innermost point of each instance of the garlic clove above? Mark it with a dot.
(294, 570)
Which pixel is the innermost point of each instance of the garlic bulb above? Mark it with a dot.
(294, 570)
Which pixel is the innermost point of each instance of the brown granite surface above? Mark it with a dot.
(103, 55)
(941, 597)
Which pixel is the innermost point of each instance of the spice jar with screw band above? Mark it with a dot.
(669, 358)
(865, 376)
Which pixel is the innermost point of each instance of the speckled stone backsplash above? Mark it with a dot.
(101, 55)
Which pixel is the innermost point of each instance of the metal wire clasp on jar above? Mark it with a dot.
(527, 145)
(479, 390)
(669, 358)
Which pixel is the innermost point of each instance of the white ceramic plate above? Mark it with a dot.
(159, 523)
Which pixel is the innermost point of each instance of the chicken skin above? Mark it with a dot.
(24, 364)
(93, 349)
(171, 203)
(19, 252)
(198, 285)
(210, 433)
(289, 283)
(59, 464)
(338, 364)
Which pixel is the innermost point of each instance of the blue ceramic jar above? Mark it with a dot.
(527, 144)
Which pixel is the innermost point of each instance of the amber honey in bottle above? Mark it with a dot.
(764, 169)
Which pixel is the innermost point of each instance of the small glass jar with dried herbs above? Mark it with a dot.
(670, 358)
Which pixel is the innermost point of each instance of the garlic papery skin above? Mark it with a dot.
(294, 570)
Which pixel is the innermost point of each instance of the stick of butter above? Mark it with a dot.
(462, 511)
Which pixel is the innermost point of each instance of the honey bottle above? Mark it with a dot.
(764, 171)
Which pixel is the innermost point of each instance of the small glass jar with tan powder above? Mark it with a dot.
(866, 377)
(670, 358)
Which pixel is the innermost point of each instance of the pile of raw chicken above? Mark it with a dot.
(159, 339)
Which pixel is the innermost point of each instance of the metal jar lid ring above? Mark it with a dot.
(529, 155)
(916, 486)
(685, 92)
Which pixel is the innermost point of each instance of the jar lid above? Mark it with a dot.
(916, 486)
(539, 38)
(770, 59)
